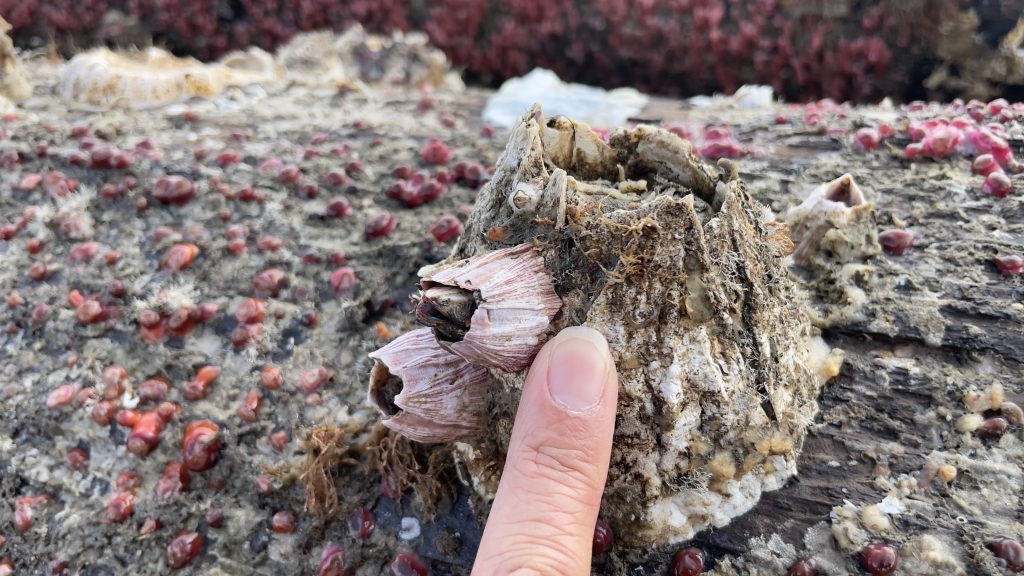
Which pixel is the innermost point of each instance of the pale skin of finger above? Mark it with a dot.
(543, 516)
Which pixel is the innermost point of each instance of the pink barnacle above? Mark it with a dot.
(995, 107)
(308, 190)
(245, 333)
(271, 165)
(983, 140)
(91, 311)
(446, 228)
(408, 563)
(269, 244)
(866, 139)
(179, 257)
(312, 380)
(250, 311)
(175, 190)
(397, 189)
(913, 150)
(360, 523)
(289, 174)
(199, 387)
(402, 171)
(284, 522)
(184, 548)
(719, 143)
(332, 561)
(56, 184)
(228, 157)
(337, 178)
(354, 167)
(380, 225)
(25, 511)
(1010, 265)
(896, 241)
(200, 445)
(145, 434)
(31, 182)
(339, 207)
(343, 279)
(997, 184)
(119, 508)
(984, 165)
(249, 411)
(269, 282)
(942, 142)
(174, 480)
(435, 152)
(430, 190)
(61, 396)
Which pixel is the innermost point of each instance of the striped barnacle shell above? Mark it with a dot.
(425, 392)
(508, 298)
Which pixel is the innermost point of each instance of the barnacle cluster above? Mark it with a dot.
(679, 268)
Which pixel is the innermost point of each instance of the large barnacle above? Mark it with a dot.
(425, 392)
(834, 224)
(507, 297)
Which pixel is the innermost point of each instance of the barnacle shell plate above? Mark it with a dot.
(442, 395)
(518, 302)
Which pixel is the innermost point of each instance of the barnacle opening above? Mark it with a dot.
(384, 387)
(845, 190)
(448, 310)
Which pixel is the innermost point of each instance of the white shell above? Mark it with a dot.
(518, 302)
(442, 397)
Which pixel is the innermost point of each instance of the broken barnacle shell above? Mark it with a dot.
(834, 225)
(506, 294)
(425, 392)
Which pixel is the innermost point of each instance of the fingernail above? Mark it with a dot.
(577, 370)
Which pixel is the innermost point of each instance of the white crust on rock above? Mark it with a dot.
(101, 78)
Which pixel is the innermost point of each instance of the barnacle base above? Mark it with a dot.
(683, 273)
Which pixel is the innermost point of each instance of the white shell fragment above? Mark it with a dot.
(518, 301)
(410, 529)
(102, 79)
(154, 77)
(442, 395)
